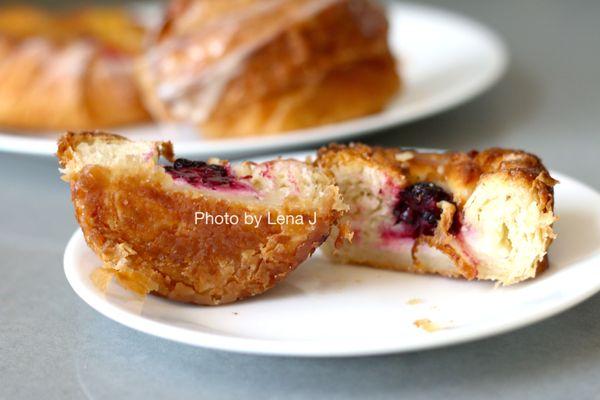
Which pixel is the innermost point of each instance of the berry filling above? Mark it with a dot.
(418, 211)
(202, 174)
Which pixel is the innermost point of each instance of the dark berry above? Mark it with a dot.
(417, 208)
(429, 218)
(182, 163)
(407, 216)
(199, 173)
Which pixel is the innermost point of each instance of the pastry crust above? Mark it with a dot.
(141, 222)
(503, 201)
(239, 68)
(71, 71)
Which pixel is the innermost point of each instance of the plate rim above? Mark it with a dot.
(306, 348)
(345, 130)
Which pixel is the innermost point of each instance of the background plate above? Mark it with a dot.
(446, 59)
(323, 309)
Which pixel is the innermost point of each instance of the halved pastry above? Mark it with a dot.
(473, 215)
(192, 231)
(71, 70)
(254, 67)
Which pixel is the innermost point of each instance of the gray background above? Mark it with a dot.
(53, 346)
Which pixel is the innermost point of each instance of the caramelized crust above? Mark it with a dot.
(69, 71)
(503, 199)
(142, 226)
(459, 172)
(285, 65)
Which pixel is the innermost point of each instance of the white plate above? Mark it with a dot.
(446, 60)
(323, 309)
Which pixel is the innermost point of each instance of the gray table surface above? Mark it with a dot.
(54, 346)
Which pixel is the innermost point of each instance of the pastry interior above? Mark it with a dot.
(149, 223)
(478, 215)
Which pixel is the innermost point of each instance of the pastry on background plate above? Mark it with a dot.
(253, 67)
(192, 231)
(477, 215)
(68, 71)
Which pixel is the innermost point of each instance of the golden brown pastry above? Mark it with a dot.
(68, 71)
(254, 67)
(484, 215)
(161, 228)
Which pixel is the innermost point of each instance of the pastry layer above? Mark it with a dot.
(253, 67)
(70, 71)
(142, 218)
(476, 215)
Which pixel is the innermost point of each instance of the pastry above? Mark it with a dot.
(192, 231)
(69, 71)
(253, 67)
(478, 215)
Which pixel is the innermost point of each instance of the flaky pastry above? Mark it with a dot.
(68, 71)
(478, 215)
(254, 67)
(161, 228)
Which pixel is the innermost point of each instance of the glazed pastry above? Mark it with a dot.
(68, 72)
(253, 67)
(485, 215)
(171, 229)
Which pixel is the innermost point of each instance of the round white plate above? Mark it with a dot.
(323, 309)
(446, 59)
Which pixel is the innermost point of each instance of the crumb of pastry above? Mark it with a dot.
(427, 325)
(414, 301)
(101, 277)
(136, 281)
(132, 280)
